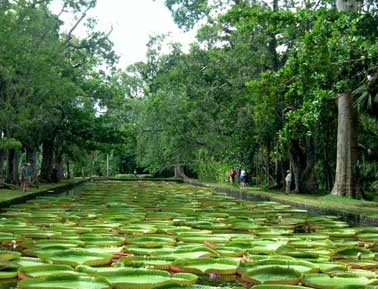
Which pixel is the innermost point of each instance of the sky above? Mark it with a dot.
(133, 21)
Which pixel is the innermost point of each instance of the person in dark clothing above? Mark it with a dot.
(54, 175)
(233, 173)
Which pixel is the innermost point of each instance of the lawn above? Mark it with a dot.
(360, 207)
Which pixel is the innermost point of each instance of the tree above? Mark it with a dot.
(346, 183)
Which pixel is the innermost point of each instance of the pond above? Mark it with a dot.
(147, 235)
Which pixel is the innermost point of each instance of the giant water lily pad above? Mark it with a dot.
(331, 266)
(230, 251)
(44, 270)
(8, 255)
(140, 229)
(52, 242)
(312, 244)
(298, 265)
(324, 281)
(152, 241)
(186, 253)
(8, 271)
(275, 286)
(29, 262)
(74, 257)
(201, 238)
(65, 281)
(107, 250)
(272, 275)
(103, 240)
(153, 263)
(220, 266)
(353, 253)
(45, 251)
(146, 279)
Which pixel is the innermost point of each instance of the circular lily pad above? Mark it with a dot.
(152, 241)
(44, 270)
(273, 286)
(220, 266)
(272, 275)
(353, 253)
(298, 265)
(8, 255)
(324, 281)
(64, 281)
(74, 257)
(146, 279)
(153, 263)
(8, 271)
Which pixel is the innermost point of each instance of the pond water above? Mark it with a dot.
(139, 234)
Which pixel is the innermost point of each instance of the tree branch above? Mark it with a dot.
(69, 35)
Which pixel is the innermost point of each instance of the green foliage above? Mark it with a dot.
(10, 143)
(210, 170)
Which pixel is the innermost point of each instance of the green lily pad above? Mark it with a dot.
(106, 250)
(272, 275)
(29, 262)
(140, 229)
(275, 286)
(8, 271)
(153, 263)
(296, 264)
(8, 255)
(102, 240)
(220, 266)
(52, 242)
(74, 257)
(44, 270)
(331, 266)
(354, 253)
(324, 281)
(40, 252)
(152, 241)
(146, 279)
(230, 251)
(312, 244)
(64, 281)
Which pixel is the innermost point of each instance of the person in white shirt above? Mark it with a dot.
(288, 181)
(243, 178)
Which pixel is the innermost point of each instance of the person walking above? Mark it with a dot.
(243, 178)
(288, 180)
(232, 175)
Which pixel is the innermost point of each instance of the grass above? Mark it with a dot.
(360, 207)
(6, 194)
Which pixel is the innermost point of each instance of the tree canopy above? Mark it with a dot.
(265, 87)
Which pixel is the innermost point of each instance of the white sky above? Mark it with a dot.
(133, 22)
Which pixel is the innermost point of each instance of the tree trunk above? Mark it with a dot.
(1, 165)
(345, 182)
(12, 175)
(68, 169)
(179, 171)
(34, 164)
(47, 159)
(302, 165)
(59, 164)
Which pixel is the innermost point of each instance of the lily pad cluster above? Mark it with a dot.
(157, 235)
